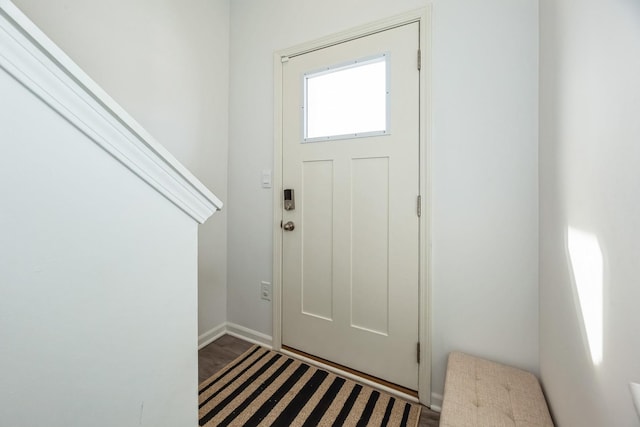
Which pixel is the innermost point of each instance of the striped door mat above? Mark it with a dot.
(266, 388)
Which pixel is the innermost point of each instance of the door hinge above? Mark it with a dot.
(284, 59)
(418, 352)
(419, 209)
(419, 59)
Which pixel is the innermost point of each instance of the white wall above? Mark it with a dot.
(485, 223)
(97, 282)
(589, 163)
(167, 63)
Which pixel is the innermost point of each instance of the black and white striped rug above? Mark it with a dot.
(266, 388)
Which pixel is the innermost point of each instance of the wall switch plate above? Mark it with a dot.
(266, 179)
(265, 291)
(635, 393)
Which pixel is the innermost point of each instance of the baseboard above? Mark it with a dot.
(250, 335)
(211, 335)
(237, 331)
(436, 402)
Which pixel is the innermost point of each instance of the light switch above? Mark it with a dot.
(266, 178)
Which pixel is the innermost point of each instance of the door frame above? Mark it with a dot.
(423, 17)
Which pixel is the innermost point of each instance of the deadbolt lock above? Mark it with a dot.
(289, 200)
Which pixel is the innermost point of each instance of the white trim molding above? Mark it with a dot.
(32, 59)
(250, 335)
(423, 17)
(211, 335)
(237, 331)
(436, 402)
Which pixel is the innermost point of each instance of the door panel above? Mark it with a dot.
(317, 249)
(350, 266)
(370, 244)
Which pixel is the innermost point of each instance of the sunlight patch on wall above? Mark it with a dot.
(635, 394)
(587, 264)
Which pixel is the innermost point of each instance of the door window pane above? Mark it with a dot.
(347, 101)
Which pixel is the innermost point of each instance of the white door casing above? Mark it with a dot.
(351, 266)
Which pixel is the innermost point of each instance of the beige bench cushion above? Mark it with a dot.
(479, 393)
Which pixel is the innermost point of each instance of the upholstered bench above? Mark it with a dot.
(480, 393)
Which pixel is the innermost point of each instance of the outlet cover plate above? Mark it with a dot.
(265, 291)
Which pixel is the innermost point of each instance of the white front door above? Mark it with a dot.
(350, 256)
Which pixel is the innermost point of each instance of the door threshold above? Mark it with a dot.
(352, 374)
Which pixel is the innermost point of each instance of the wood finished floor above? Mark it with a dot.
(224, 350)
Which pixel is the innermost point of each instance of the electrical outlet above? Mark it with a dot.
(265, 291)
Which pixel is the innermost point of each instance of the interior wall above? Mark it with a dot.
(97, 282)
(166, 62)
(590, 209)
(484, 165)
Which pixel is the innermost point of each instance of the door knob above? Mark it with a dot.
(289, 226)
